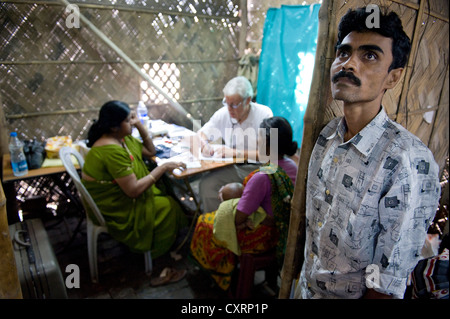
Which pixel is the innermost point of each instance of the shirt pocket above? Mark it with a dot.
(359, 242)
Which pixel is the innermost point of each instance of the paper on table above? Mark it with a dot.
(186, 158)
(214, 157)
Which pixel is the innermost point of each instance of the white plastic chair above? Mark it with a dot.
(93, 230)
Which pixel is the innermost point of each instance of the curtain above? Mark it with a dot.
(287, 61)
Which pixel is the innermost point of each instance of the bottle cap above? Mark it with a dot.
(13, 134)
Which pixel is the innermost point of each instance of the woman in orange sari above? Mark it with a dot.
(270, 187)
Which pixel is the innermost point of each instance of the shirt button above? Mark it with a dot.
(320, 224)
(327, 192)
(335, 160)
(311, 255)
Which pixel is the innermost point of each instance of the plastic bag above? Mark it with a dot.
(34, 153)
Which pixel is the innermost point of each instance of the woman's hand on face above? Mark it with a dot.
(134, 118)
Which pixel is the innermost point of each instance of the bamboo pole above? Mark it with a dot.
(130, 62)
(136, 9)
(319, 98)
(244, 25)
(414, 6)
(87, 110)
(402, 111)
(9, 278)
(4, 136)
(441, 108)
(57, 62)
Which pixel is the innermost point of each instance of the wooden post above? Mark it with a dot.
(319, 98)
(4, 140)
(244, 26)
(9, 278)
(402, 110)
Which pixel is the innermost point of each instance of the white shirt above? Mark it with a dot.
(369, 203)
(235, 135)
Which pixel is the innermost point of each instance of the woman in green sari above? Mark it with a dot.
(136, 212)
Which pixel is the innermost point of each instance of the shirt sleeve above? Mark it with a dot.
(257, 193)
(405, 212)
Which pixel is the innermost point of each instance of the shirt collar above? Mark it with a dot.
(367, 138)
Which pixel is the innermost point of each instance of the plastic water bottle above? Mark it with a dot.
(18, 159)
(142, 112)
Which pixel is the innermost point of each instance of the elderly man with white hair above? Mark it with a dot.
(236, 124)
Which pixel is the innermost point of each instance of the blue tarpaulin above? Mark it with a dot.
(287, 61)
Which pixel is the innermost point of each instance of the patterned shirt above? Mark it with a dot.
(370, 201)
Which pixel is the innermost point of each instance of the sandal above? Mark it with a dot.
(168, 275)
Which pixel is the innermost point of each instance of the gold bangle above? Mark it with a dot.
(151, 176)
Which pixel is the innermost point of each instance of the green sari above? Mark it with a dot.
(148, 222)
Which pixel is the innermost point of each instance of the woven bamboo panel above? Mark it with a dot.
(54, 69)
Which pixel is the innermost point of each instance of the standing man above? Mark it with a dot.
(236, 124)
(373, 187)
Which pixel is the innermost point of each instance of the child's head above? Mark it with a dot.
(231, 190)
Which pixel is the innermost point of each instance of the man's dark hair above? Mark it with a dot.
(390, 26)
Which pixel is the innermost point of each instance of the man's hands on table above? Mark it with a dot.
(218, 152)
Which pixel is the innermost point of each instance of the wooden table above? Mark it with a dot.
(8, 180)
(205, 166)
(8, 175)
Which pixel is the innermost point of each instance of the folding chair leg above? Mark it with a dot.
(92, 253)
(148, 263)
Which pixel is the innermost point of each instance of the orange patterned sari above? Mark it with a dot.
(211, 255)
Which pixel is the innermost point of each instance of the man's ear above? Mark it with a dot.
(393, 78)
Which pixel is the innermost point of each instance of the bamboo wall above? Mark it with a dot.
(55, 78)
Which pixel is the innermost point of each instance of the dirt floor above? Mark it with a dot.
(121, 272)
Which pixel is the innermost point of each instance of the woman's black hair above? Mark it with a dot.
(111, 114)
(285, 144)
(390, 26)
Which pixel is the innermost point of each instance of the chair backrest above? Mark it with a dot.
(65, 154)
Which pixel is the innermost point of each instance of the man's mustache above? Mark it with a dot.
(343, 74)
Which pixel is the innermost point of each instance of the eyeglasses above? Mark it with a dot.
(224, 102)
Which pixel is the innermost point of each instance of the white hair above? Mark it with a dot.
(238, 85)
